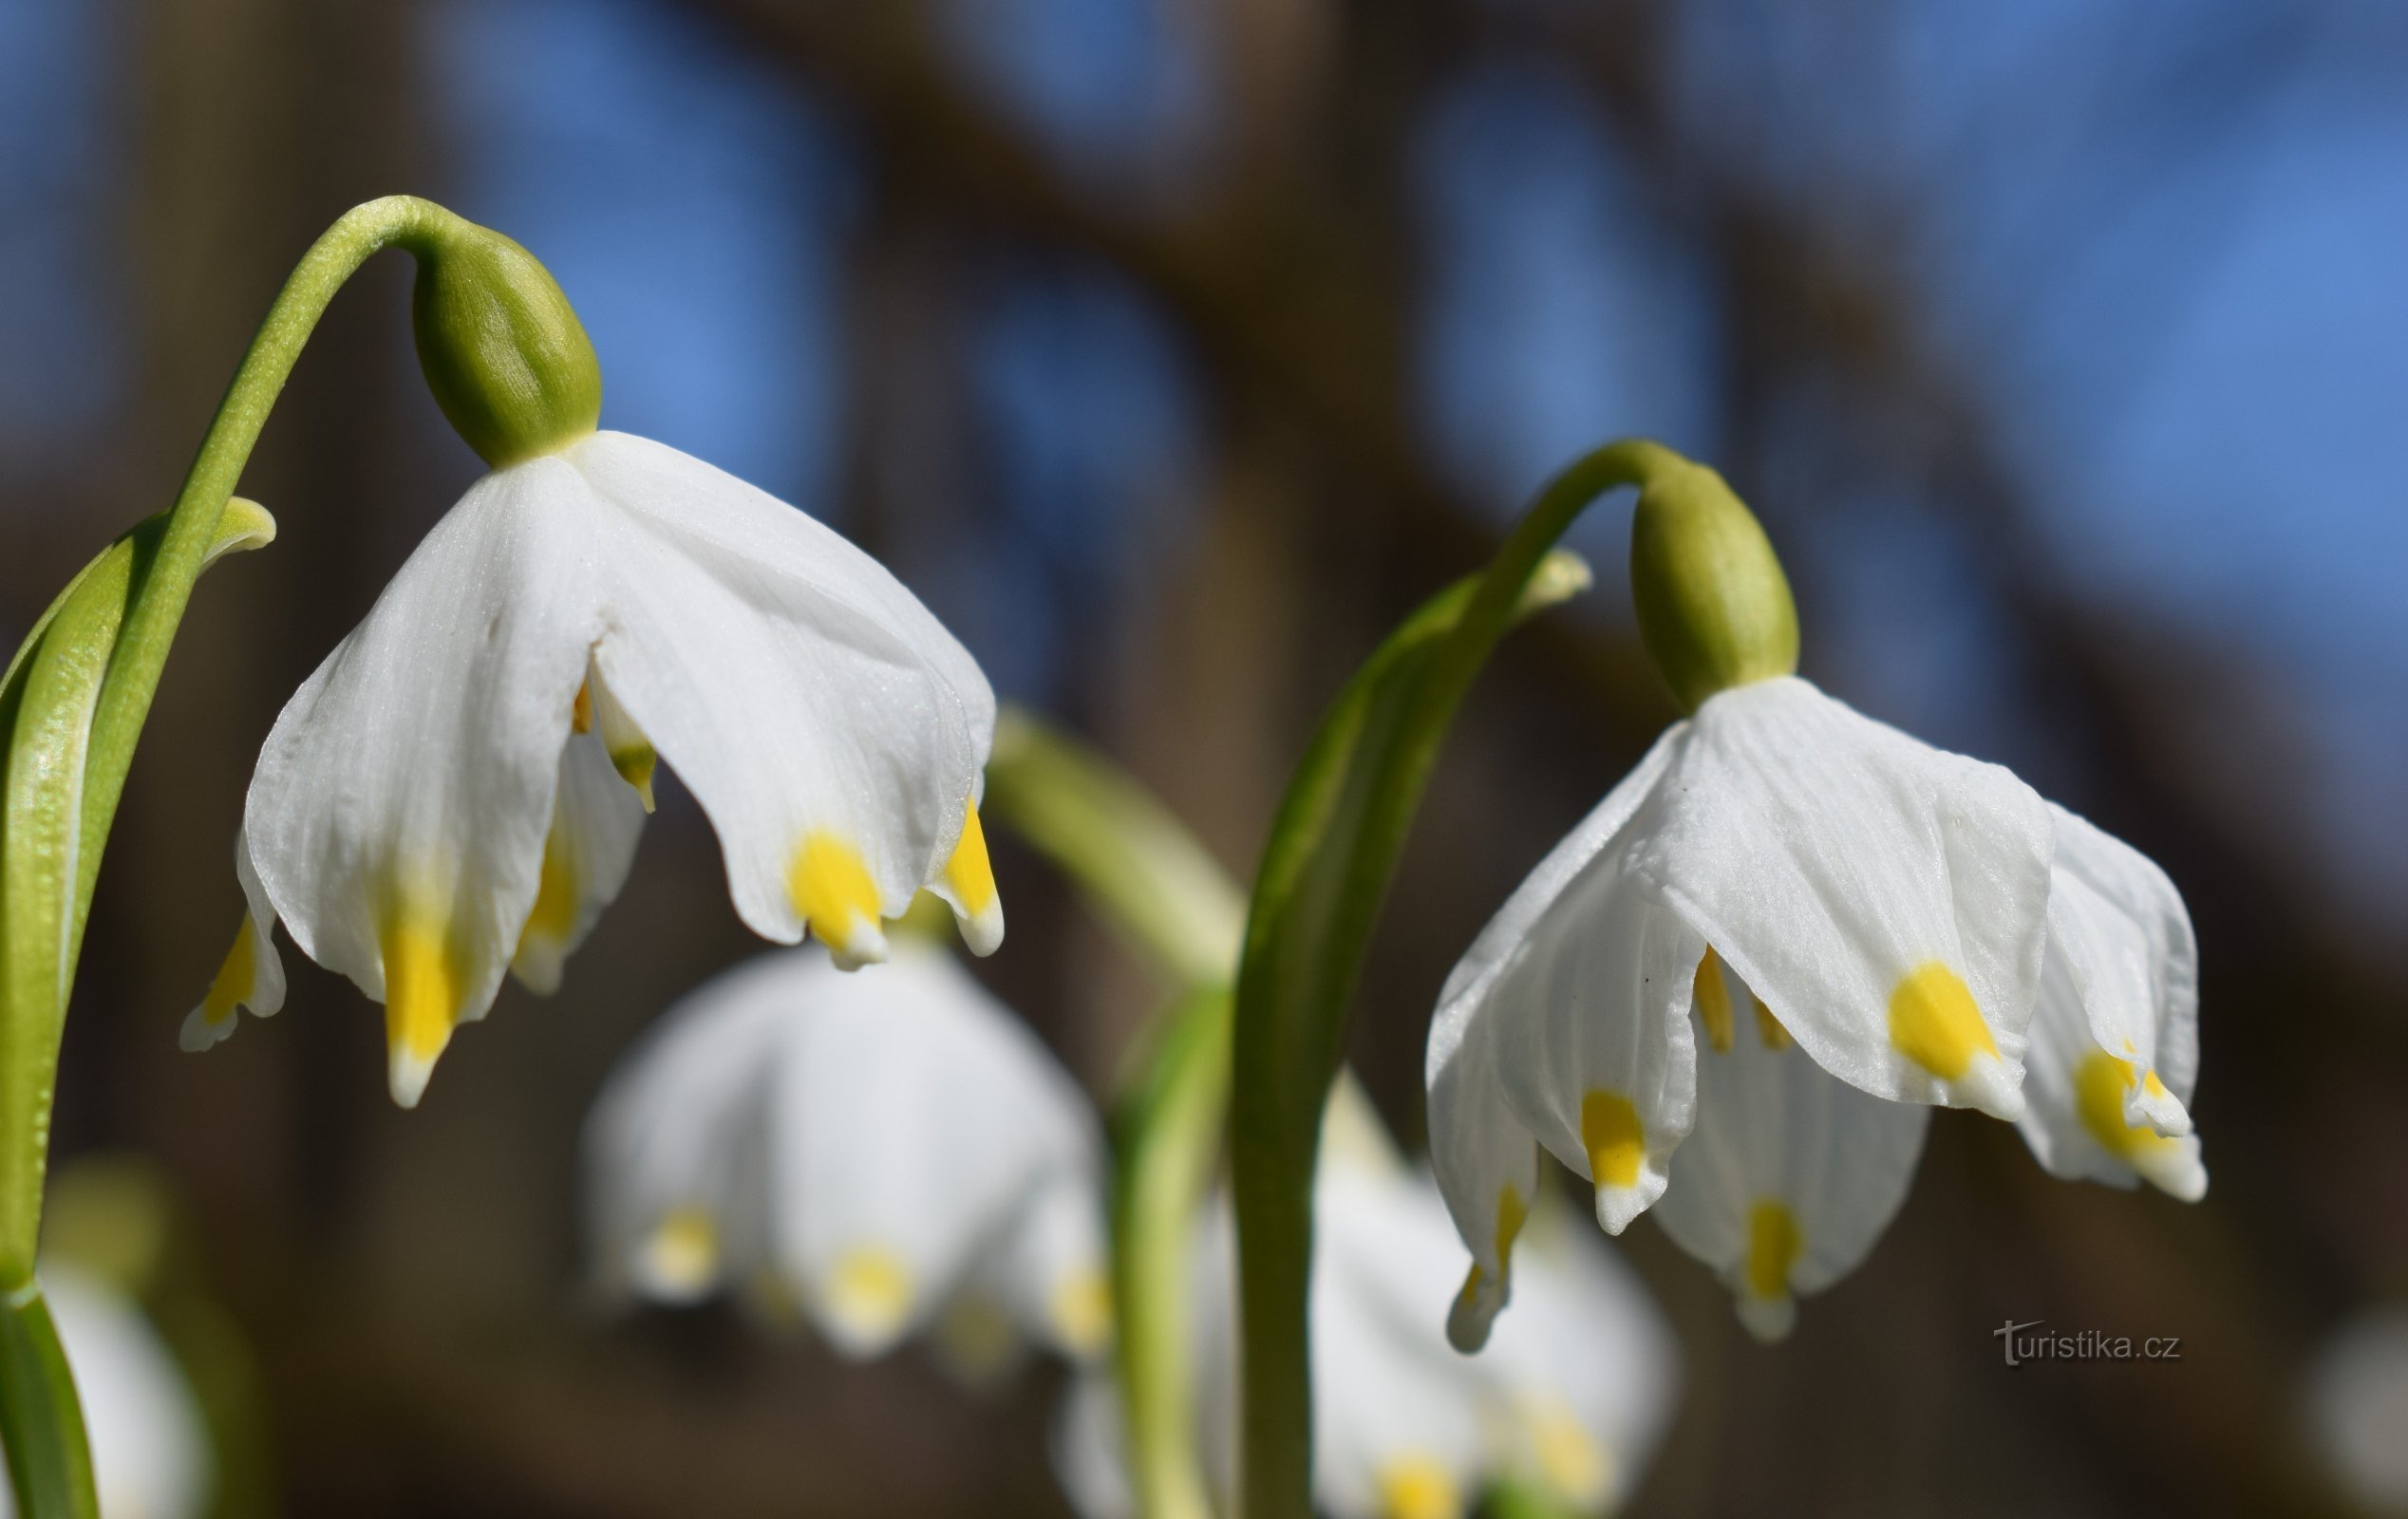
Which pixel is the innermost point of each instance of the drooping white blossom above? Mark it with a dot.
(457, 790)
(886, 1152)
(1790, 930)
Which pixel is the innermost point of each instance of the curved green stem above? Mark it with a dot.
(72, 708)
(1323, 879)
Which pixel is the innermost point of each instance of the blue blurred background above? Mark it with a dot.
(1171, 349)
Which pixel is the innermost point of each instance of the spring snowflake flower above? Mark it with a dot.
(457, 790)
(1573, 1397)
(885, 1152)
(150, 1449)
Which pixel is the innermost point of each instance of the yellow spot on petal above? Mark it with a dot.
(1773, 1243)
(555, 915)
(581, 715)
(1610, 1129)
(235, 974)
(635, 763)
(834, 893)
(1415, 1486)
(2099, 1085)
(976, 1338)
(2150, 1084)
(1569, 1457)
(1511, 1212)
(1768, 1028)
(1081, 1308)
(1935, 1023)
(870, 1292)
(421, 1000)
(1713, 998)
(971, 878)
(682, 1257)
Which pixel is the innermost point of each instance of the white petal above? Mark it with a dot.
(916, 1123)
(2358, 1407)
(1887, 899)
(829, 725)
(2079, 1122)
(677, 1146)
(1052, 1273)
(1590, 1367)
(1790, 1175)
(1089, 1447)
(596, 820)
(400, 807)
(2129, 948)
(150, 1449)
(250, 976)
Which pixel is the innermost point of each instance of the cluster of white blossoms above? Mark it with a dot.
(459, 789)
(884, 1153)
(1740, 982)
(1572, 1396)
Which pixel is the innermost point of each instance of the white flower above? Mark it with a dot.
(436, 803)
(150, 1449)
(885, 1151)
(2116, 1039)
(2357, 1409)
(1790, 927)
(1572, 1396)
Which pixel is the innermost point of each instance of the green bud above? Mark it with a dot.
(505, 355)
(1714, 607)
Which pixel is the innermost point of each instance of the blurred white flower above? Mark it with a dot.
(150, 1448)
(1859, 922)
(2357, 1409)
(886, 1152)
(1573, 1394)
(459, 788)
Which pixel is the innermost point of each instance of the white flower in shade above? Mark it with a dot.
(2114, 1050)
(150, 1449)
(1788, 922)
(1572, 1396)
(2357, 1409)
(886, 1152)
(457, 790)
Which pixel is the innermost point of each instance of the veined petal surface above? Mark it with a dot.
(398, 814)
(1791, 1175)
(1889, 901)
(832, 728)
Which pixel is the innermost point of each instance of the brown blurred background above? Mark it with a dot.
(1172, 349)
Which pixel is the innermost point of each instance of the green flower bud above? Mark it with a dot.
(1714, 607)
(505, 355)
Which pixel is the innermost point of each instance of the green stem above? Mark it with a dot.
(1521, 1498)
(72, 707)
(1323, 879)
(1151, 879)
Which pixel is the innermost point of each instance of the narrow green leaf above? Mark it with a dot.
(41, 1423)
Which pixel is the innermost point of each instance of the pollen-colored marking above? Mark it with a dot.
(1935, 1023)
(422, 1001)
(555, 915)
(2149, 1082)
(2099, 1085)
(1080, 1310)
(976, 1337)
(968, 872)
(681, 1259)
(1713, 998)
(870, 1292)
(636, 764)
(1610, 1128)
(1769, 1029)
(1416, 1486)
(237, 974)
(1773, 1243)
(1511, 1214)
(834, 893)
(1569, 1457)
(581, 715)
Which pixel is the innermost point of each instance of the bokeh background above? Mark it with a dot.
(1172, 349)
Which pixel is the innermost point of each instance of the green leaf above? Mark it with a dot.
(41, 1423)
